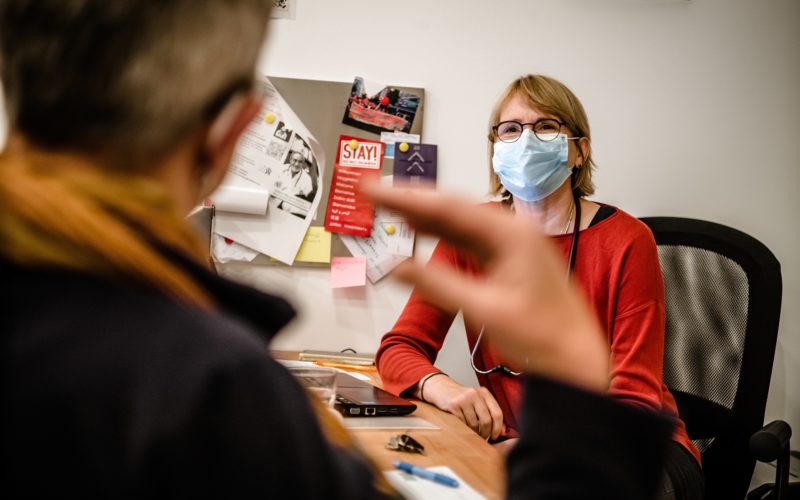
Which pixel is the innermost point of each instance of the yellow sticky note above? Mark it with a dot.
(316, 246)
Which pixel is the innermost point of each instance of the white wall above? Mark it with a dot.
(694, 107)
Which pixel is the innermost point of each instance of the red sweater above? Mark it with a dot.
(617, 267)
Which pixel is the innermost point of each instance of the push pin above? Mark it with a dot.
(389, 228)
(353, 144)
(270, 118)
(403, 147)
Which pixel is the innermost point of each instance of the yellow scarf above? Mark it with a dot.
(67, 214)
(60, 213)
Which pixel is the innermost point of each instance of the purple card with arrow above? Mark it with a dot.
(415, 165)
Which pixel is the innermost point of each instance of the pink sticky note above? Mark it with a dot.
(348, 271)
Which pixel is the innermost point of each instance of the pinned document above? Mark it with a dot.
(376, 108)
(392, 138)
(417, 165)
(282, 156)
(384, 249)
(348, 272)
(349, 210)
(225, 250)
(316, 246)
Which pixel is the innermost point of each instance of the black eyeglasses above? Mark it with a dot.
(499, 368)
(546, 129)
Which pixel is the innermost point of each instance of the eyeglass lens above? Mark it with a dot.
(545, 129)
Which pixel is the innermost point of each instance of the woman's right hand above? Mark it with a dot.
(476, 407)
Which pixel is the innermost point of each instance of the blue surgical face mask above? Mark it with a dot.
(529, 168)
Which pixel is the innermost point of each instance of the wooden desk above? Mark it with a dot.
(454, 445)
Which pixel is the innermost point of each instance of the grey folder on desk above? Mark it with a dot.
(355, 398)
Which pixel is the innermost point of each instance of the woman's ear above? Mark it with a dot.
(583, 149)
(220, 139)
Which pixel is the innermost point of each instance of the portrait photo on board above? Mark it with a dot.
(298, 182)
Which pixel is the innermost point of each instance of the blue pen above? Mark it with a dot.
(425, 473)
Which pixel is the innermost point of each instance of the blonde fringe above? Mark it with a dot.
(72, 216)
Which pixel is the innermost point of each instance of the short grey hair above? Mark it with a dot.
(124, 79)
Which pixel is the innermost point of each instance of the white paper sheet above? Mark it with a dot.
(414, 487)
(379, 262)
(223, 251)
(264, 156)
(392, 138)
(401, 242)
(382, 250)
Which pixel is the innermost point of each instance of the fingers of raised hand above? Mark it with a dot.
(446, 287)
(456, 219)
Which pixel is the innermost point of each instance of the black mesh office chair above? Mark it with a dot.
(723, 300)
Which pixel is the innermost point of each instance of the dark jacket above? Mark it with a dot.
(113, 391)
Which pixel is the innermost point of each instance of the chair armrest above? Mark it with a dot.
(771, 441)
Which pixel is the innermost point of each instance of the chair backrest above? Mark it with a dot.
(723, 299)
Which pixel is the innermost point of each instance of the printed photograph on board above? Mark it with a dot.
(377, 108)
(282, 132)
(298, 181)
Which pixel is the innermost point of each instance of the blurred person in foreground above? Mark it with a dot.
(132, 370)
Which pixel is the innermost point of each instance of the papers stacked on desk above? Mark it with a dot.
(418, 488)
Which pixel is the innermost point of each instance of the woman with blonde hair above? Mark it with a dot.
(541, 167)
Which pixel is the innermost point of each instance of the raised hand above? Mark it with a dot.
(525, 301)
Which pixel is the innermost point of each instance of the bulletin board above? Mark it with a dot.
(321, 106)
